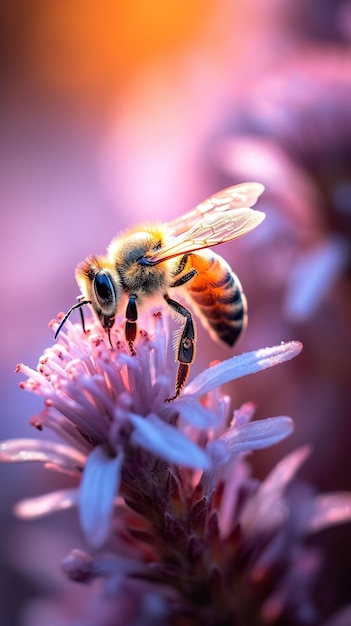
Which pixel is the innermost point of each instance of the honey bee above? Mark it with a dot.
(152, 259)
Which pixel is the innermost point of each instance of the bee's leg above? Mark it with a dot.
(185, 278)
(186, 347)
(131, 325)
(182, 263)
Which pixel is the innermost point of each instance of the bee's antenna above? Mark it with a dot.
(79, 304)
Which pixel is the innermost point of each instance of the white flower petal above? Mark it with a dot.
(98, 490)
(36, 450)
(194, 413)
(167, 442)
(283, 473)
(330, 509)
(259, 434)
(243, 414)
(32, 508)
(313, 276)
(267, 508)
(242, 365)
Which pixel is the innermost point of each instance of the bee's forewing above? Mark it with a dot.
(236, 197)
(210, 230)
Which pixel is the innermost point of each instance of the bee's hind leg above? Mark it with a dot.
(186, 346)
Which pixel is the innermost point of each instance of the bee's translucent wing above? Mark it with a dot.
(237, 197)
(211, 229)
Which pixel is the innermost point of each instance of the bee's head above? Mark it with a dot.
(100, 286)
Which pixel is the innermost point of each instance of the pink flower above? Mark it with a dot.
(165, 488)
(109, 408)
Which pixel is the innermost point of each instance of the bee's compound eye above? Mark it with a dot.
(104, 290)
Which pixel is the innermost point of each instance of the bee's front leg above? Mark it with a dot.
(131, 325)
(186, 347)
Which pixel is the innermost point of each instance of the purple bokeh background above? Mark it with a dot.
(108, 117)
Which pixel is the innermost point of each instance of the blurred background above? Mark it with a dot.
(116, 112)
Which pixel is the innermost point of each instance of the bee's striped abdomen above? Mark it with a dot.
(217, 295)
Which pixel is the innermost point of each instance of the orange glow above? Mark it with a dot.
(85, 46)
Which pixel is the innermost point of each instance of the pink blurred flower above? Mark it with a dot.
(292, 131)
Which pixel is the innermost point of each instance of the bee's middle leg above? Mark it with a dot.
(185, 278)
(131, 323)
(186, 347)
